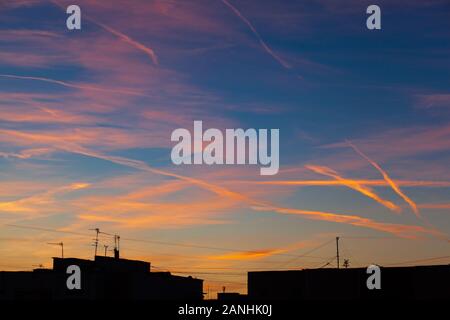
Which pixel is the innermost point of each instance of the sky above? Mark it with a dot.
(86, 118)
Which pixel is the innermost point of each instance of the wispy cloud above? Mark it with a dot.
(404, 141)
(70, 85)
(27, 153)
(400, 230)
(397, 229)
(331, 183)
(136, 44)
(437, 100)
(38, 204)
(247, 255)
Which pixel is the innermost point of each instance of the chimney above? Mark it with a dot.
(116, 246)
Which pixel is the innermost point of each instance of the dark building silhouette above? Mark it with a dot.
(231, 296)
(418, 282)
(103, 278)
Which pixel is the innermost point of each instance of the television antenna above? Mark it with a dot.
(61, 244)
(95, 244)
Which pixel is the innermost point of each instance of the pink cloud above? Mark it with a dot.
(429, 101)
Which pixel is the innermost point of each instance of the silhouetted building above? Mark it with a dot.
(419, 282)
(104, 278)
(231, 296)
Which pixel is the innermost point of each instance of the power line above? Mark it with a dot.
(308, 252)
(201, 246)
(197, 257)
(420, 260)
(214, 273)
(224, 268)
(15, 266)
(349, 253)
(296, 257)
(327, 263)
(153, 241)
(231, 282)
(372, 237)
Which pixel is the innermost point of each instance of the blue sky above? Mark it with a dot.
(86, 118)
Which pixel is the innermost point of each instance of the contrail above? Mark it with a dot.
(386, 177)
(130, 41)
(255, 32)
(405, 231)
(145, 167)
(437, 206)
(148, 51)
(355, 186)
(70, 85)
(397, 229)
(376, 183)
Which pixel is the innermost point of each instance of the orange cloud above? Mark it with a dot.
(60, 143)
(247, 255)
(145, 214)
(32, 205)
(400, 230)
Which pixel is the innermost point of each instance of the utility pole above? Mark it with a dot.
(337, 251)
(106, 248)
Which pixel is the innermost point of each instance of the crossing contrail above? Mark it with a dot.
(355, 186)
(388, 179)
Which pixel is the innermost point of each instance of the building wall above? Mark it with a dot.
(101, 279)
(427, 282)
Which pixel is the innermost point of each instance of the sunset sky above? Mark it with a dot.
(364, 118)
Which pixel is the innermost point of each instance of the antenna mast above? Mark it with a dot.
(95, 244)
(58, 244)
(97, 231)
